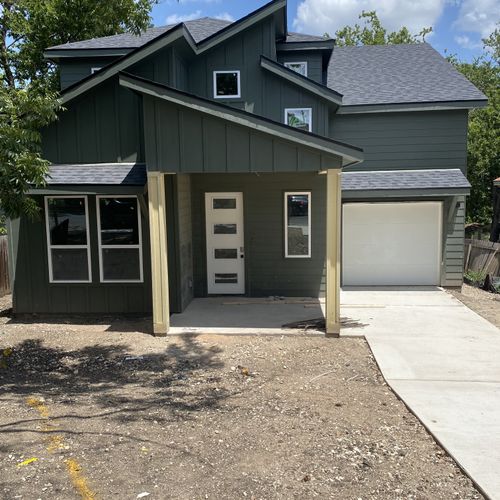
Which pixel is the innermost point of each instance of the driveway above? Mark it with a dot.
(443, 360)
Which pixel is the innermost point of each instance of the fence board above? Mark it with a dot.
(482, 256)
(4, 266)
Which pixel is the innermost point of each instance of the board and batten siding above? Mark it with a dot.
(103, 125)
(453, 251)
(32, 292)
(181, 140)
(405, 140)
(267, 270)
(314, 60)
(73, 71)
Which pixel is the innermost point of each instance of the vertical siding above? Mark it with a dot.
(424, 139)
(454, 233)
(314, 62)
(268, 272)
(71, 72)
(185, 239)
(34, 294)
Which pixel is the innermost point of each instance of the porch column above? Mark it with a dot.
(333, 224)
(159, 261)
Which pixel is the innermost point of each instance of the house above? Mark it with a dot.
(205, 158)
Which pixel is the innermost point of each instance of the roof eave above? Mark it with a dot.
(412, 106)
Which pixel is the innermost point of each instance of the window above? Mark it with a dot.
(298, 225)
(67, 228)
(95, 70)
(227, 84)
(120, 239)
(300, 118)
(298, 67)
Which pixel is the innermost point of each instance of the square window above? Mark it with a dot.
(300, 118)
(298, 225)
(227, 84)
(119, 221)
(298, 67)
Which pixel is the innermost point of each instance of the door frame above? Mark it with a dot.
(205, 249)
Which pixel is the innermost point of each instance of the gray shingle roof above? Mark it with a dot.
(199, 29)
(301, 37)
(125, 174)
(451, 178)
(392, 74)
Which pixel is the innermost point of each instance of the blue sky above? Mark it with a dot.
(458, 25)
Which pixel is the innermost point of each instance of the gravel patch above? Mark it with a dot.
(207, 417)
(486, 304)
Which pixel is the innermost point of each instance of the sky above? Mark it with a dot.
(458, 25)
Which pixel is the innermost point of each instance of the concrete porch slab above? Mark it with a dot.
(246, 316)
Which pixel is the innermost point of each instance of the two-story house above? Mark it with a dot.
(210, 157)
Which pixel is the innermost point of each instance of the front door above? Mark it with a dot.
(225, 243)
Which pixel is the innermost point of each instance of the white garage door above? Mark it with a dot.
(391, 244)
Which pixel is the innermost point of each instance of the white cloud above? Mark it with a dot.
(225, 16)
(466, 42)
(478, 16)
(327, 16)
(175, 19)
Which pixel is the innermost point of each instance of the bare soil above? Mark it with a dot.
(206, 417)
(486, 304)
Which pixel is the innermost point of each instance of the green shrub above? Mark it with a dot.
(475, 278)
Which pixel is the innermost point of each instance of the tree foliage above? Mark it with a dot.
(373, 33)
(29, 83)
(483, 150)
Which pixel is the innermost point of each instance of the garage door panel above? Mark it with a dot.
(391, 244)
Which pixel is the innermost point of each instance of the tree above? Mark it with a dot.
(483, 149)
(373, 33)
(29, 83)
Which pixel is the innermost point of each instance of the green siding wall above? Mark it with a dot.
(453, 249)
(425, 139)
(34, 294)
(314, 62)
(104, 125)
(73, 71)
(180, 140)
(268, 272)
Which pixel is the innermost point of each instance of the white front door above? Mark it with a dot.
(225, 243)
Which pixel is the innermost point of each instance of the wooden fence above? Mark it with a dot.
(482, 256)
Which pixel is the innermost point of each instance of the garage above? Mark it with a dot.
(388, 244)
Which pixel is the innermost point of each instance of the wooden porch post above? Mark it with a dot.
(159, 261)
(333, 224)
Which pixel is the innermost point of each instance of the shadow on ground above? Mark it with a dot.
(112, 382)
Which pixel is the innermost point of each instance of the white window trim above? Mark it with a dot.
(102, 247)
(287, 110)
(236, 96)
(304, 63)
(50, 247)
(298, 193)
(95, 69)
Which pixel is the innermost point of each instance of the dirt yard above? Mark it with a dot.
(484, 303)
(95, 412)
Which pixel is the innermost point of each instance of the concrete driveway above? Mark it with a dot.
(443, 360)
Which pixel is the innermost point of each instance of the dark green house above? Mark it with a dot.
(205, 158)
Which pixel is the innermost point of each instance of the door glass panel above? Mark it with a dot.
(226, 253)
(224, 203)
(226, 278)
(224, 228)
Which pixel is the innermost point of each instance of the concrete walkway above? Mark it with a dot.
(443, 360)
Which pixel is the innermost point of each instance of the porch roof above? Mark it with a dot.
(113, 174)
(446, 181)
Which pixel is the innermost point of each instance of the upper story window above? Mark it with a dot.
(299, 118)
(298, 67)
(67, 226)
(227, 84)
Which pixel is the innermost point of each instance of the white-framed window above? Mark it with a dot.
(298, 67)
(120, 239)
(68, 240)
(227, 84)
(95, 70)
(300, 118)
(297, 224)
